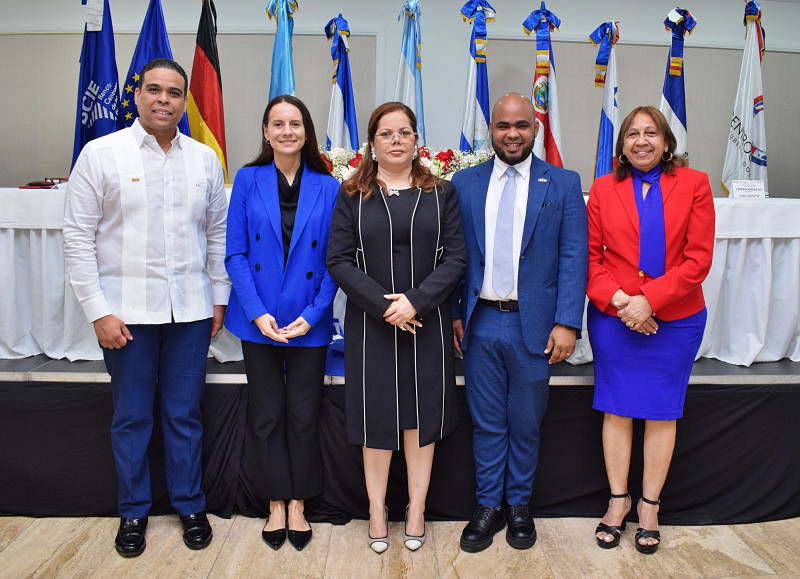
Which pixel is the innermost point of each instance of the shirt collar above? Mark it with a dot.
(141, 135)
(523, 167)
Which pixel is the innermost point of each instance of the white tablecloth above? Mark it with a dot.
(752, 292)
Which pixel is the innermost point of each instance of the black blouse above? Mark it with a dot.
(288, 196)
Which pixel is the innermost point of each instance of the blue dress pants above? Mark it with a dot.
(168, 361)
(507, 391)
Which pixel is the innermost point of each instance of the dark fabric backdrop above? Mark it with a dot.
(737, 459)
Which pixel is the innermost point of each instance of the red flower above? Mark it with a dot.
(355, 160)
(424, 152)
(445, 157)
(327, 161)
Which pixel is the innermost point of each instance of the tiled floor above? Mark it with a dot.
(83, 547)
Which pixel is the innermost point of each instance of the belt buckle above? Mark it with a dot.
(500, 306)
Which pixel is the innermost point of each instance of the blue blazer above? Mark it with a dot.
(254, 256)
(554, 258)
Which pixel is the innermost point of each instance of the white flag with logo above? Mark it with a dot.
(746, 155)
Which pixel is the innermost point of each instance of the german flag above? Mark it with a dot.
(205, 111)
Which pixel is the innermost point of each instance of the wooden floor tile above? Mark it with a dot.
(572, 551)
(11, 527)
(245, 554)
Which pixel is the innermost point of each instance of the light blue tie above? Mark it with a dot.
(503, 258)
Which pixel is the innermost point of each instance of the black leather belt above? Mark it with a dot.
(502, 305)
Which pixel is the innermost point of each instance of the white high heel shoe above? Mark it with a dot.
(380, 544)
(412, 542)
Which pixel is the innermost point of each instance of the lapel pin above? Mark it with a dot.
(542, 180)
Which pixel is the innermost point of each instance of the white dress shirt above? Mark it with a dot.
(496, 183)
(144, 231)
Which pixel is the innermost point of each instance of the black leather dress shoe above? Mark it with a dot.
(130, 537)
(300, 539)
(478, 533)
(521, 533)
(197, 532)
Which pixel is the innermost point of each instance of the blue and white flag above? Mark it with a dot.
(98, 84)
(475, 130)
(153, 43)
(606, 36)
(673, 96)
(342, 127)
(746, 155)
(282, 80)
(409, 76)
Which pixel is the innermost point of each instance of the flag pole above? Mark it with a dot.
(746, 154)
(544, 95)
(98, 109)
(673, 96)
(475, 128)
(342, 127)
(204, 107)
(605, 37)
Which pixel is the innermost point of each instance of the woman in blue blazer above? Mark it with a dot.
(281, 308)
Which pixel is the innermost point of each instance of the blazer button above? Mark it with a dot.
(258, 267)
(641, 273)
(475, 292)
(258, 237)
(482, 264)
(309, 275)
(314, 243)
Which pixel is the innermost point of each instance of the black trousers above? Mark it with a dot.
(281, 454)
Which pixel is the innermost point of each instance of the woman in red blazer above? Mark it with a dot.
(651, 238)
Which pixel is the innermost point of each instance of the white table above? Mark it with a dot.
(752, 292)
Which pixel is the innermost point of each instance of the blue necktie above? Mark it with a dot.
(503, 257)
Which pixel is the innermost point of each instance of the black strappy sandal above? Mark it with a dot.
(614, 530)
(642, 533)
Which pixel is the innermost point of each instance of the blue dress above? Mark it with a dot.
(642, 376)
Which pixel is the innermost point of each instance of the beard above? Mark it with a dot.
(510, 159)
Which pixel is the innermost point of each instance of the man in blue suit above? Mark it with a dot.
(521, 307)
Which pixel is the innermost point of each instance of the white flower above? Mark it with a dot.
(347, 172)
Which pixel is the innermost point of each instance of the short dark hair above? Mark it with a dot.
(309, 153)
(622, 170)
(165, 63)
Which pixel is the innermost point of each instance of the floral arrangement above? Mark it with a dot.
(442, 163)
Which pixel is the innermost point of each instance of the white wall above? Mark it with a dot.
(642, 51)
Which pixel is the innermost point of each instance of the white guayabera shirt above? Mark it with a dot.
(144, 231)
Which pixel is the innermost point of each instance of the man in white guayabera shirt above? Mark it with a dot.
(144, 246)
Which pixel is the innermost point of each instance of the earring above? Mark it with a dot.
(416, 154)
(374, 158)
(623, 160)
(668, 159)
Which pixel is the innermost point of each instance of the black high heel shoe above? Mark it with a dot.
(642, 533)
(612, 530)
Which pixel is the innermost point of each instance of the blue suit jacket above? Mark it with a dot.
(554, 256)
(254, 256)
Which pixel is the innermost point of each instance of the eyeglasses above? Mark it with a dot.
(388, 136)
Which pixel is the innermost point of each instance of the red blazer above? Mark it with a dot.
(614, 244)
